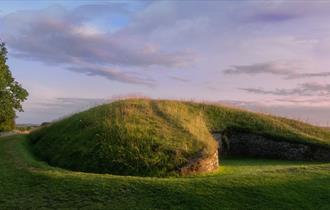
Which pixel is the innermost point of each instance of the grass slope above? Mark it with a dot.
(155, 138)
(277, 128)
(136, 137)
(238, 184)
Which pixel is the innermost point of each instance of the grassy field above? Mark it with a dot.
(155, 137)
(238, 184)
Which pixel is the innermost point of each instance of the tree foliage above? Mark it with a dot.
(11, 93)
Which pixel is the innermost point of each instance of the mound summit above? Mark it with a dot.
(160, 137)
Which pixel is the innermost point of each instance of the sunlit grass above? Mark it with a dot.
(238, 184)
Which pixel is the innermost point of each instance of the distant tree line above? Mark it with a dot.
(12, 94)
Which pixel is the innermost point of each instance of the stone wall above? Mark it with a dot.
(251, 145)
(198, 165)
(241, 144)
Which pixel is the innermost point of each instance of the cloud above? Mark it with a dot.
(58, 36)
(305, 89)
(180, 79)
(70, 104)
(282, 11)
(103, 9)
(286, 69)
(273, 16)
(282, 92)
(112, 74)
(155, 35)
(307, 75)
(277, 68)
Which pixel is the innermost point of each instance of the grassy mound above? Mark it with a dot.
(155, 138)
(134, 137)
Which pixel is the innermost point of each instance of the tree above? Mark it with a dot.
(11, 93)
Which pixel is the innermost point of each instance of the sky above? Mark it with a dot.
(266, 56)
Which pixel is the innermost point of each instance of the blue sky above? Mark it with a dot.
(269, 56)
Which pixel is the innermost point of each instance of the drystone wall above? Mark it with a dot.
(240, 144)
(251, 145)
(198, 165)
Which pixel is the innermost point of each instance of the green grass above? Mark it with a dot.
(238, 184)
(136, 137)
(277, 128)
(155, 138)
